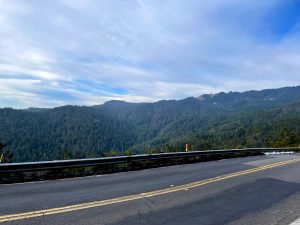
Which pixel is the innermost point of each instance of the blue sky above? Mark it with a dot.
(86, 52)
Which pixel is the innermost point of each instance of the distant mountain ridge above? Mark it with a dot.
(223, 120)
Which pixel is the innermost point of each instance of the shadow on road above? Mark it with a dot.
(222, 208)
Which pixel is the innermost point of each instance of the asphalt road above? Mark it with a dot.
(253, 190)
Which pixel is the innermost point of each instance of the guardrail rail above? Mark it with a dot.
(77, 163)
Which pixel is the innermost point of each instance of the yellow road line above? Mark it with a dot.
(70, 208)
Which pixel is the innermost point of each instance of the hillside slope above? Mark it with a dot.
(224, 120)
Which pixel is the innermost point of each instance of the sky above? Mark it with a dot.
(86, 52)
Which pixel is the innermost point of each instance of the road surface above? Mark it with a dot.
(253, 190)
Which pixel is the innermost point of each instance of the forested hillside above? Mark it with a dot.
(224, 120)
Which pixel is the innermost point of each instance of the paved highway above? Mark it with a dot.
(253, 190)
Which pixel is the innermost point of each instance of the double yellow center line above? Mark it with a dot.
(70, 208)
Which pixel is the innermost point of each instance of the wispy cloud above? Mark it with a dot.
(87, 52)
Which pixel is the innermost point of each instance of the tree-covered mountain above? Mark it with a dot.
(225, 120)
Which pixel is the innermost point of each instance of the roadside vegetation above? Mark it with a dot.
(5, 155)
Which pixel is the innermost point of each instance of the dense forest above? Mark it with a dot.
(268, 118)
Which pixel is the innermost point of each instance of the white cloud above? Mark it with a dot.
(46, 75)
(88, 52)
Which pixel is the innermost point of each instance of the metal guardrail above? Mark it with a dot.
(76, 163)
